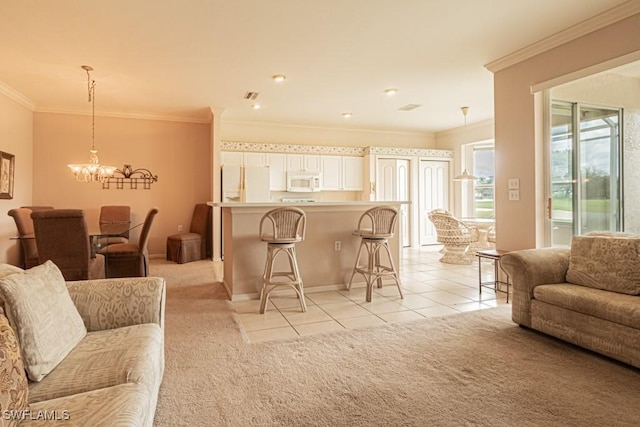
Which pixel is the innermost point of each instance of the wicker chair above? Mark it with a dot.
(456, 237)
(491, 234)
(281, 229)
(376, 227)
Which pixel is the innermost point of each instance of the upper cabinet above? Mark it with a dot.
(339, 173)
(303, 162)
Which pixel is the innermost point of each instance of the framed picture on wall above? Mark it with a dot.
(7, 165)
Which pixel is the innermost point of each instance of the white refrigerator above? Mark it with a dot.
(245, 184)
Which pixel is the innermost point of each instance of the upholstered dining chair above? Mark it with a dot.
(196, 244)
(24, 224)
(130, 259)
(62, 237)
(118, 216)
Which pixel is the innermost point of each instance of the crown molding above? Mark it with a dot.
(16, 96)
(139, 116)
(590, 25)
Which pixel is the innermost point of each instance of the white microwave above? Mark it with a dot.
(299, 182)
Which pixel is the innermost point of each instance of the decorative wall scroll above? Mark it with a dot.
(131, 177)
(7, 166)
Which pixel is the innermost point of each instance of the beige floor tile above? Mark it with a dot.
(469, 306)
(313, 314)
(382, 305)
(250, 306)
(326, 297)
(343, 310)
(283, 302)
(413, 301)
(401, 316)
(446, 298)
(272, 334)
(437, 311)
(256, 321)
(320, 327)
(356, 292)
(389, 290)
(417, 287)
(362, 322)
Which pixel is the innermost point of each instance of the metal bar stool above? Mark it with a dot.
(287, 228)
(382, 220)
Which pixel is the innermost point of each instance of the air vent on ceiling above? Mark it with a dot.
(251, 95)
(409, 107)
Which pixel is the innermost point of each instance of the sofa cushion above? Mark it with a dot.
(121, 405)
(7, 269)
(605, 262)
(43, 316)
(615, 307)
(13, 381)
(104, 359)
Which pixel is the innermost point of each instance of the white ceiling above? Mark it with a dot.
(178, 58)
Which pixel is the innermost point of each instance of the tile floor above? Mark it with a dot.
(430, 288)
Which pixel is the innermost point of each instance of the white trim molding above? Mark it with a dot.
(597, 22)
(16, 96)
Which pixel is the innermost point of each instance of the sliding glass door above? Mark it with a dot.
(585, 167)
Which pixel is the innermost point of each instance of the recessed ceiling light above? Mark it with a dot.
(255, 106)
(390, 92)
(279, 77)
(346, 115)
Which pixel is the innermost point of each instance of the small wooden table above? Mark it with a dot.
(494, 255)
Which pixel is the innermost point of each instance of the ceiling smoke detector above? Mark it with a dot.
(409, 107)
(251, 95)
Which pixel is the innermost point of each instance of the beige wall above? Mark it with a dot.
(518, 131)
(16, 137)
(307, 135)
(179, 153)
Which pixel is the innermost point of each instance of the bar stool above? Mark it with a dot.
(287, 228)
(382, 220)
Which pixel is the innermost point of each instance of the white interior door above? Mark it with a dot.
(393, 185)
(433, 193)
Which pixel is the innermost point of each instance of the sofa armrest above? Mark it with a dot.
(114, 303)
(528, 269)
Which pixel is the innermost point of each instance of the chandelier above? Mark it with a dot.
(92, 171)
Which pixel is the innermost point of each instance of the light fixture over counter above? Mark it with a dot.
(92, 171)
(465, 176)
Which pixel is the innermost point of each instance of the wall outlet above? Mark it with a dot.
(514, 183)
(179, 228)
(337, 245)
(514, 194)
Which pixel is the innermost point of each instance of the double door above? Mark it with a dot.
(393, 185)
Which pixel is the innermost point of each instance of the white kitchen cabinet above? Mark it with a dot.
(277, 163)
(331, 172)
(352, 171)
(303, 162)
(232, 158)
(255, 159)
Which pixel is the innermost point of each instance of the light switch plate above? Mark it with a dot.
(514, 183)
(514, 194)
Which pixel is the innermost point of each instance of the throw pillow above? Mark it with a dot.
(41, 312)
(14, 387)
(7, 269)
(605, 262)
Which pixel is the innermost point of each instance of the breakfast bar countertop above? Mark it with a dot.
(280, 204)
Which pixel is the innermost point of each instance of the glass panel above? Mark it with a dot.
(484, 170)
(562, 174)
(594, 204)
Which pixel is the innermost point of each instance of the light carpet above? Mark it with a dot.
(471, 369)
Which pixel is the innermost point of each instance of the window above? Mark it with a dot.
(480, 159)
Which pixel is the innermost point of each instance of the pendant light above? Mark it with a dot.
(465, 176)
(92, 171)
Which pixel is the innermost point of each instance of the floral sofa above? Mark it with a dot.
(85, 353)
(588, 295)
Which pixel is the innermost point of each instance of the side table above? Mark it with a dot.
(494, 255)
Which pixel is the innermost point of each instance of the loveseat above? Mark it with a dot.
(93, 351)
(587, 295)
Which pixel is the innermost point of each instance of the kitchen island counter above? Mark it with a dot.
(323, 265)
